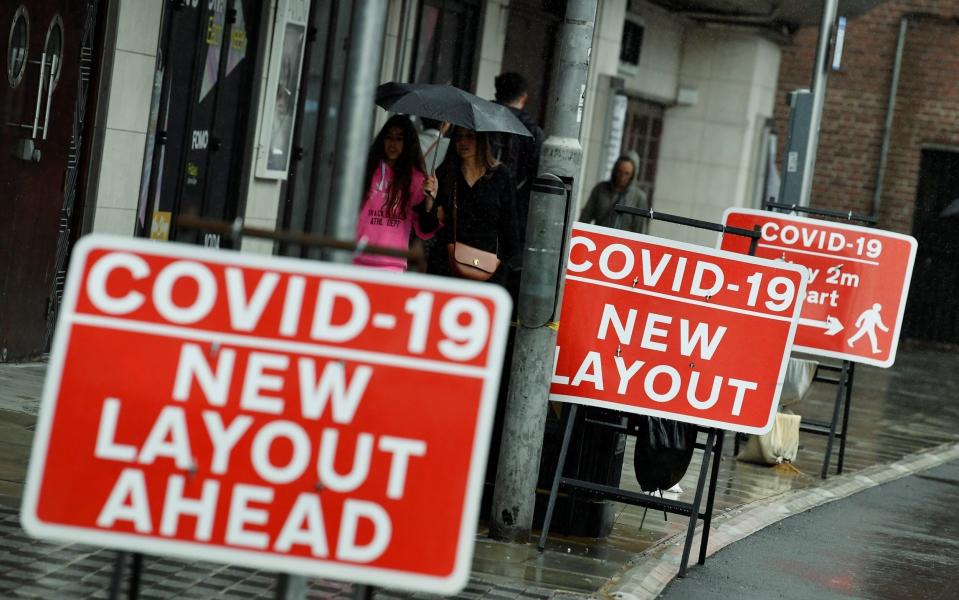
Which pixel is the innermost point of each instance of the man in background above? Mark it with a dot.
(620, 189)
(518, 153)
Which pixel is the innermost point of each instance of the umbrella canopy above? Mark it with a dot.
(449, 104)
(952, 210)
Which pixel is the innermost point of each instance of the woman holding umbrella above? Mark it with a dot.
(399, 195)
(476, 203)
(477, 207)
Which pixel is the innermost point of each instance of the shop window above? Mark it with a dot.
(17, 46)
(446, 42)
(642, 134)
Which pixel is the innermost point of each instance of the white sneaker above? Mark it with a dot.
(674, 490)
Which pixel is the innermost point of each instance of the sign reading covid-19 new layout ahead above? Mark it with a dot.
(280, 414)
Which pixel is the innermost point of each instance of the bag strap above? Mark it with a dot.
(455, 180)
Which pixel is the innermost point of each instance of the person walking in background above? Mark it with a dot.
(399, 198)
(519, 154)
(620, 189)
(476, 204)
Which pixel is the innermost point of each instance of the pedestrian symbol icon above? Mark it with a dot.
(867, 323)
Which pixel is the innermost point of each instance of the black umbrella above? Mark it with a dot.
(952, 210)
(449, 104)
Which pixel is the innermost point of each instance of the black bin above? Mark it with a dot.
(595, 454)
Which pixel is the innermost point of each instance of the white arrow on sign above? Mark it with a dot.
(832, 325)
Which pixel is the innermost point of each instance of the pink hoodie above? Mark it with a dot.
(378, 229)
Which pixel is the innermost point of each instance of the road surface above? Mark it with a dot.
(897, 540)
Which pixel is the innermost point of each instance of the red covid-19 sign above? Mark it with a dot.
(280, 414)
(674, 330)
(858, 281)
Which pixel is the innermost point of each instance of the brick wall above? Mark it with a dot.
(927, 105)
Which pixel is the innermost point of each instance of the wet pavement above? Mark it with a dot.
(896, 412)
(20, 387)
(897, 540)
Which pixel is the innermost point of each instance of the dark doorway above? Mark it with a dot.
(932, 312)
(207, 63)
(530, 42)
(49, 58)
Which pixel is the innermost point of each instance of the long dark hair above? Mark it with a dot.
(453, 164)
(398, 196)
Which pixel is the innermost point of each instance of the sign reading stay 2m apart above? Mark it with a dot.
(280, 414)
(674, 330)
(858, 281)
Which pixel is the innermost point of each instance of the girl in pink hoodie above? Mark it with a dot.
(399, 195)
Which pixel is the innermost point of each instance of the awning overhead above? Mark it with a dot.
(775, 14)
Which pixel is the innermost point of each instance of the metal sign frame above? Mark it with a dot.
(842, 376)
(712, 448)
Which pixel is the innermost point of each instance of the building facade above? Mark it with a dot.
(911, 189)
(124, 115)
(698, 98)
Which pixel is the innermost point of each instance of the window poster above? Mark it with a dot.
(283, 81)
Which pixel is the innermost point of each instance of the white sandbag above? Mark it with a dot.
(799, 374)
(779, 445)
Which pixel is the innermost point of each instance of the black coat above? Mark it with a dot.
(521, 156)
(485, 219)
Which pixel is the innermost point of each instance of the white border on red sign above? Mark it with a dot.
(865, 231)
(705, 250)
(449, 584)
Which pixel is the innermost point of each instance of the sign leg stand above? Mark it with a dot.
(711, 495)
(845, 418)
(290, 587)
(135, 569)
(119, 569)
(840, 395)
(363, 592)
(119, 565)
(698, 501)
(560, 465)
